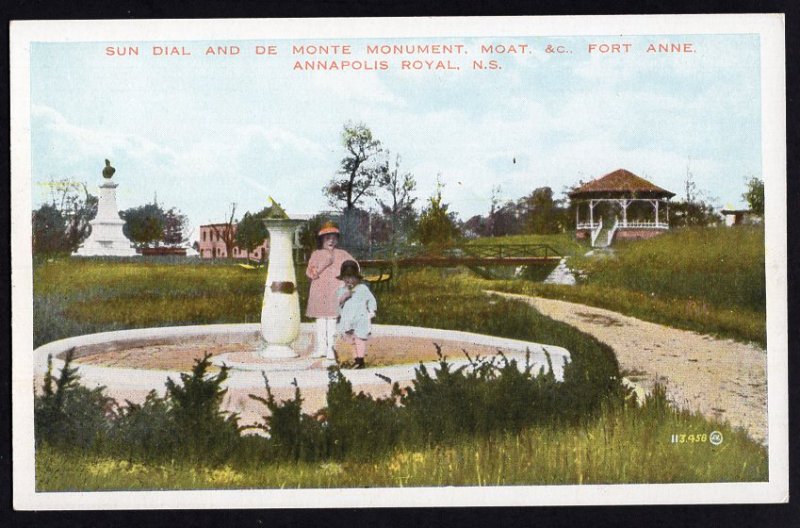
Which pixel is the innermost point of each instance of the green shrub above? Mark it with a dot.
(358, 425)
(194, 406)
(185, 424)
(493, 395)
(147, 431)
(486, 396)
(68, 414)
(351, 426)
(293, 435)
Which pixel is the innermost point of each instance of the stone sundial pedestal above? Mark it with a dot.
(106, 238)
(280, 313)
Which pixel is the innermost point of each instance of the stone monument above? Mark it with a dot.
(106, 238)
(280, 313)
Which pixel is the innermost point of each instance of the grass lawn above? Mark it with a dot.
(81, 296)
(616, 444)
(74, 297)
(710, 280)
(623, 445)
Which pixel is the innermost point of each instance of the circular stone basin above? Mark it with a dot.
(131, 363)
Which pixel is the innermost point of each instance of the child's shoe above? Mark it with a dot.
(359, 363)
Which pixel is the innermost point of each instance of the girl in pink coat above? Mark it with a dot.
(323, 304)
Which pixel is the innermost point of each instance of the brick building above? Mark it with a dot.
(211, 244)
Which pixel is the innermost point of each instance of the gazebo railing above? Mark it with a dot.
(596, 231)
(589, 226)
(612, 232)
(643, 224)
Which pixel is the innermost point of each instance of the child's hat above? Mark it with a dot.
(327, 229)
(350, 268)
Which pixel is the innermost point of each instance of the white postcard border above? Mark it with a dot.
(770, 27)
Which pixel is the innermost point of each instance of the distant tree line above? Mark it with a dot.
(375, 202)
(754, 195)
(151, 226)
(695, 209)
(536, 213)
(61, 225)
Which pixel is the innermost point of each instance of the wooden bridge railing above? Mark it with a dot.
(418, 254)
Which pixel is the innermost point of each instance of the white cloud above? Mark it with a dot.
(355, 86)
(240, 133)
(242, 166)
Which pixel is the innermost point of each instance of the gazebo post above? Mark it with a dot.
(591, 213)
(656, 213)
(625, 204)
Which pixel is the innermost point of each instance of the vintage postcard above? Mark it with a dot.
(399, 262)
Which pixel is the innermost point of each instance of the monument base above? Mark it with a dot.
(105, 251)
(277, 352)
(107, 238)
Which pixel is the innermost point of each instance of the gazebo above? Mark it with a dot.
(620, 205)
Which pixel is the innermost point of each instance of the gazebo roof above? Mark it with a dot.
(620, 183)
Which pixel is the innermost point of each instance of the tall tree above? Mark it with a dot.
(437, 226)
(396, 200)
(49, 229)
(358, 169)
(226, 232)
(61, 225)
(695, 209)
(542, 214)
(251, 232)
(144, 225)
(755, 195)
(494, 205)
(175, 225)
(505, 219)
(150, 225)
(309, 230)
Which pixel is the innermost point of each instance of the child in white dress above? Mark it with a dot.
(357, 307)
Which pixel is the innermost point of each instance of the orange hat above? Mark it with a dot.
(328, 228)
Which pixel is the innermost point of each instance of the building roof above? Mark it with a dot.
(619, 182)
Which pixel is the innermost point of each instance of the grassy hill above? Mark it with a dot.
(711, 280)
(719, 266)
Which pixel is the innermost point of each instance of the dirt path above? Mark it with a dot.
(717, 377)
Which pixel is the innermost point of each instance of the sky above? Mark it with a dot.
(201, 132)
